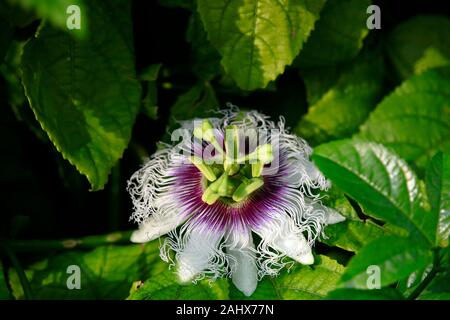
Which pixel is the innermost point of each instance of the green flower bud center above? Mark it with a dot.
(238, 176)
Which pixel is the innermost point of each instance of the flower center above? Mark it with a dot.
(235, 176)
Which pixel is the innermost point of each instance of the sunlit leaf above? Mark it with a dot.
(380, 181)
(84, 93)
(414, 120)
(257, 39)
(346, 103)
(395, 258)
(438, 189)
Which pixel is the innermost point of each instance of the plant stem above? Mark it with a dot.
(88, 242)
(28, 293)
(430, 276)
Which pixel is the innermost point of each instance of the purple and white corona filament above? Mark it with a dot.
(227, 180)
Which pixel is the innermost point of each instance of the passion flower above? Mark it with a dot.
(236, 197)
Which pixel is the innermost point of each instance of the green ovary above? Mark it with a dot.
(236, 178)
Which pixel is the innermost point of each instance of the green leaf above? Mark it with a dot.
(166, 286)
(4, 292)
(396, 257)
(206, 59)
(336, 199)
(408, 285)
(357, 294)
(300, 283)
(195, 103)
(438, 289)
(435, 296)
(420, 43)
(150, 102)
(105, 273)
(318, 80)
(84, 92)
(438, 189)
(344, 105)
(414, 120)
(379, 181)
(338, 35)
(150, 73)
(352, 235)
(257, 39)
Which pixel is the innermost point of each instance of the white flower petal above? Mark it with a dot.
(243, 266)
(154, 228)
(283, 235)
(196, 256)
(333, 216)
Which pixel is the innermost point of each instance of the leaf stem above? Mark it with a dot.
(430, 276)
(88, 242)
(27, 291)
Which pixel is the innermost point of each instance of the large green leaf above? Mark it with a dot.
(4, 292)
(300, 283)
(358, 294)
(346, 104)
(414, 120)
(379, 181)
(257, 39)
(166, 286)
(338, 35)
(420, 43)
(396, 257)
(106, 272)
(84, 92)
(438, 189)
